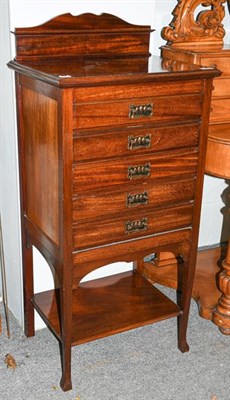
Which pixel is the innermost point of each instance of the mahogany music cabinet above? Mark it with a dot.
(111, 149)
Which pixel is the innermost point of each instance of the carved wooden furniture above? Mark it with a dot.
(219, 165)
(111, 169)
(221, 315)
(199, 40)
(190, 28)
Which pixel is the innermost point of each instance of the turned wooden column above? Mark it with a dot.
(218, 164)
(221, 316)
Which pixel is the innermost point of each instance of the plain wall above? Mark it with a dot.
(9, 188)
(19, 13)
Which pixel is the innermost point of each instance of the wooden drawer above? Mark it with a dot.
(222, 63)
(97, 94)
(130, 141)
(132, 170)
(220, 110)
(98, 204)
(221, 87)
(130, 112)
(132, 225)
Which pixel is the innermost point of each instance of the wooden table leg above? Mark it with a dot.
(221, 316)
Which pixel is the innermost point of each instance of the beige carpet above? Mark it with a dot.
(143, 364)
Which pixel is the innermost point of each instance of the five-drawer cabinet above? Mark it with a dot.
(111, 146)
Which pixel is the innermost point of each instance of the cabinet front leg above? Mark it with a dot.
(184, 300)
(66, 383)
(182, 332)
(66, 336)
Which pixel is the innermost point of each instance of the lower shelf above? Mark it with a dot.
(107, 306)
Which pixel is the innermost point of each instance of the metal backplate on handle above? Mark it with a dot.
(139, 171)
(138, 142)
(136, 226)
(137, 199)
(140, 111)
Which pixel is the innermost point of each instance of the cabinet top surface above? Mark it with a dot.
(93, 71)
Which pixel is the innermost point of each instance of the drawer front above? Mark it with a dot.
(109, 202)
(222, 63)
(133, 225)
(132, 170)
(221, 87)
(137, 111)
(133, 141)
(220, 110)
(123, 91)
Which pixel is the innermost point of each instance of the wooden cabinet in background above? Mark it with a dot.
(219, 128)
(197, 38)
(111, 169)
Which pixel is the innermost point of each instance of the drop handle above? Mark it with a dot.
(136, 226)
(138, 171)
(138, 142)
(140, 111)
(137, 199)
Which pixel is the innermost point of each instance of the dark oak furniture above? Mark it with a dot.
(111, 146)
(198, 39)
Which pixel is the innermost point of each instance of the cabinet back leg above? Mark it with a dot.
(28, 290)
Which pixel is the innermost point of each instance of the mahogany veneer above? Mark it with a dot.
(111, 169)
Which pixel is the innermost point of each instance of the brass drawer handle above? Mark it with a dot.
(140, 111)
(136, 226)
(137, 142)
(139, 171)
(136, 199)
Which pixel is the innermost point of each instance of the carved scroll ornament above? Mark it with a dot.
(186, 28)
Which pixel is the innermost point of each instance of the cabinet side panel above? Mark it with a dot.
(41, 161)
